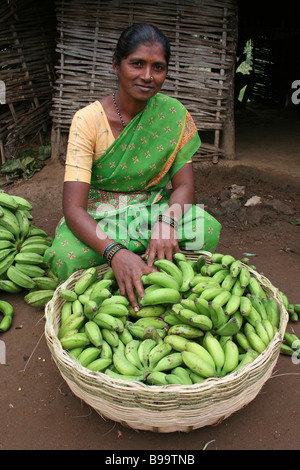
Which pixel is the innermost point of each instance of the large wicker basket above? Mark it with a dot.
(168, 408)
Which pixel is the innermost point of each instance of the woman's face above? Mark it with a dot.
(143, 72)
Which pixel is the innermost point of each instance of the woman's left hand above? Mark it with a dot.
(163, 243)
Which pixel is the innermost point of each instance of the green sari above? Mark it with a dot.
(127, 190)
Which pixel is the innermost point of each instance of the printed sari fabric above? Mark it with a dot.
(127, 190)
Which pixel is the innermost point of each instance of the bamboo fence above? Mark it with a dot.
(203, 43)
(27, 58)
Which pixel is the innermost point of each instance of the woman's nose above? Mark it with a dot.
(147, 73)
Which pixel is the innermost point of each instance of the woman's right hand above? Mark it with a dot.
(128, 269)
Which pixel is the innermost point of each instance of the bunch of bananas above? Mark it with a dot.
(22, 246)
(195, 321)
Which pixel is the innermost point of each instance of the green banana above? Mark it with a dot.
(286, 350)
(237, 289)
(227, 260)
(196, 379)
(90, 308)
(173, 379)
(232, 305)
(99, 364)
(249, 357)
(259, 306)
(6, 244)
(9, 221)
(245, 305)
(6, 323)
(255, 288)
(6, 308)
(244, 277)
(29, 258)
(189, 332)
(222, 298)
(7, 262)
(235, 268)
(202, 306)
(8, 201)
(161, 279)
(200, 351)
(228, 282)
(163, 295)
(291, 339)
(231, 357)
(77, 307)
(110, 337)
(104, 320)
(169, 362)
(202, 285)
(88, 277)
(6, 234)
(38, 248)
(253, 317)
(66, 311)
(22, 203)
(157, 378)
(150, 311)
(155, 322)
(216, 257)
(157, 353)
(220, 275)
(177, 342)
(262, 332)
(232, 326)
(123, 365)
(183, 374)
(197, 364)
(202, 321)
(144, 350)
(73, 322)
(106, 350)
(116, 310)
(93, 332)
(187, 275)
(170, 268)
(24, 223)
(34, 240)
(99, 295)
(39, 298)
(44, 282)
(213, 269)
(131, 353)
(8, 286)
(272, 309)
(31, 270)
(20, 278)
(201, 260)
(88, 355)
(217, 314)
(189, 304)
(242, 340)
(74, 341)
(215, 349)
(68, 294)
(116, 299)
(284, 299)
(269, 328)
(255, 341)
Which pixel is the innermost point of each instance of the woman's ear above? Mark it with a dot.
(115, 67)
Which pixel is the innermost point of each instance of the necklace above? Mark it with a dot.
(118, 111)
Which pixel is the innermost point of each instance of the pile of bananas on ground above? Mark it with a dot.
(22, 246)
(195, 321)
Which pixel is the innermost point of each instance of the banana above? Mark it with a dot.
(209, 293)
(6, 234)
(106, 350)
(217, 314)
(245, 306)
(8, 286)
(183, 374)
(116, 310)
(201, 260)
(90, 308)
(259, 306)
(36, 231)
(253, 316)
(197, 364)
(150, 311)
(4, 253)
(216, 257)
(110, 337)
(66, 311)
(99, 364)
(34, 240)
(189, 332)
(232, 305)
(88, 277)
(6, 244)
(24, 223)
(290, 339)
(77, 307)
(199, 278)
(74, 353)
(202, 321)
(228, 282)
(144, 349)
(109, 274)
(129, 378)
(235, 268)
(242, 340)
(83, 299)
(29, 258)
(219, 276)
(177, 342)
(272, 309)
(189, 304)
(170, 268)
(163, 295)
(7, 262)
(215, 349)
(44, 282)
(157, 378)
(187, 275)
(6, 308)
(155, 322)
(196, 379)
(10, 221)
(200, 351)
(93, 332)
(38, 248)
(157, 353)
(131, 353)
(169, 317)
(222, 298)
(179, 257)
(68, 294)
(125, 336)
(255, 288)
(173, 379)
(74, 341)
(248, 357)
(137, 331)
(73, 322)
(202, 306)
(39, 298)
(20, 278)
(284, 299)
(116, 299)
(6, 323)
(8, 201)
(232, 326)
(237, 289)
(169, 362)
(99, 295)
(244, 277)
(255, 341)
(161, 279)
(88, 355)
(184, 315)
(104, 320)
(213, 269)
(123, 365)
(231, 357)
(269, 328)
(227, 260)
(22, 203)
(262, 333)
(286, 350)
(31, 270)
(202, 285)
(99, 284)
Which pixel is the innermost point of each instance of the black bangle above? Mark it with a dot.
(113, 250)
(168, 220)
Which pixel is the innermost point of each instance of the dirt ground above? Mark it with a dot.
(38, 410)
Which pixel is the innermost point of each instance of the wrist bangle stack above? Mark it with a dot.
(168, 220)
(111, 250)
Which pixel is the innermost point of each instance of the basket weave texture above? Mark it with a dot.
(170, 408)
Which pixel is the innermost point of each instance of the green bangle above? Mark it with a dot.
(117, 247)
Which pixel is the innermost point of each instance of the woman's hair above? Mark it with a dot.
(137, 34)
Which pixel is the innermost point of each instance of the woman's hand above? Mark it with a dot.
(128, 269)
(163, 243)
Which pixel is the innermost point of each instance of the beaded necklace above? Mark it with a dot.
(118, 111)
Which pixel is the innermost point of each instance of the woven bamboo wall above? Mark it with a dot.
(27, 57)
(203, 40)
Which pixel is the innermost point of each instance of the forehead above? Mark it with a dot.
(147, 51)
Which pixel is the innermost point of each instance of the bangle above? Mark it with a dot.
(168, 220)
(113, 250)
(111, 245)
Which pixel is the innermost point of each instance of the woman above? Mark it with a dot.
(122, 152)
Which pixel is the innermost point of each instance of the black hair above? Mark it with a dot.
(137, 34)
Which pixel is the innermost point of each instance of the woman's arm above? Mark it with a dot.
(164, 243)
